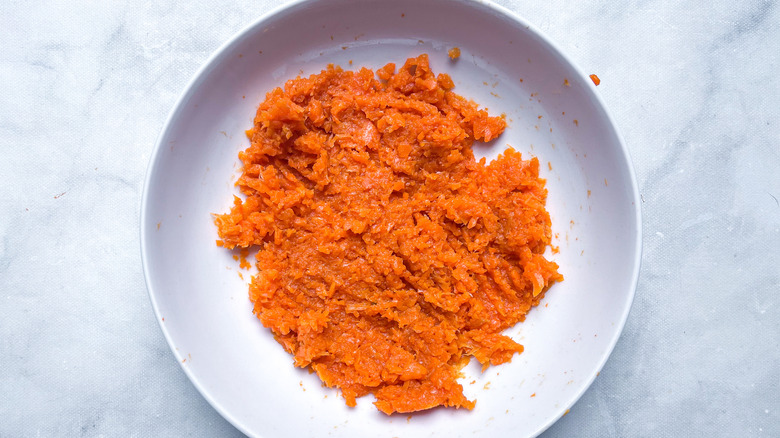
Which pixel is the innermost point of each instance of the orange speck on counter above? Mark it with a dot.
(566, 82)
(595, 79)
(533, 395)
(388, 256)
(564, 414)
(454, 53)
(576, 122)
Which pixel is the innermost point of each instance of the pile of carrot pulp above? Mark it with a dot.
(388, 256)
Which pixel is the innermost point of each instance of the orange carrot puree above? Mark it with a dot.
(388, 256)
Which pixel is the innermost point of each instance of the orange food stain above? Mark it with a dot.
(549, 165)
(576, 122)
(588, 193)
(454, 53)
(387, 254)
(533, 395)
(595, 79)
(564, 414)
(158, 225)
(566, 82)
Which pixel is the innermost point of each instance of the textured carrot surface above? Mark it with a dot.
(387, 255)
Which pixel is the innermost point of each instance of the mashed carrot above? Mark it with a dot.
(388, 256)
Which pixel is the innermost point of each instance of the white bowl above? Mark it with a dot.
(202, 304)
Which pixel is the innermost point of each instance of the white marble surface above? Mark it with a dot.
(86, 86)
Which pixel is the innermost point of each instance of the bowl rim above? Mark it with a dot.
(292, 7)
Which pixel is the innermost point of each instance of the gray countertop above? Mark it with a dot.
(85, 88)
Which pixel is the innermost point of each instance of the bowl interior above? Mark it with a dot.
(506, 66)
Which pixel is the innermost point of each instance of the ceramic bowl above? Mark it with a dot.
(507, 65)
